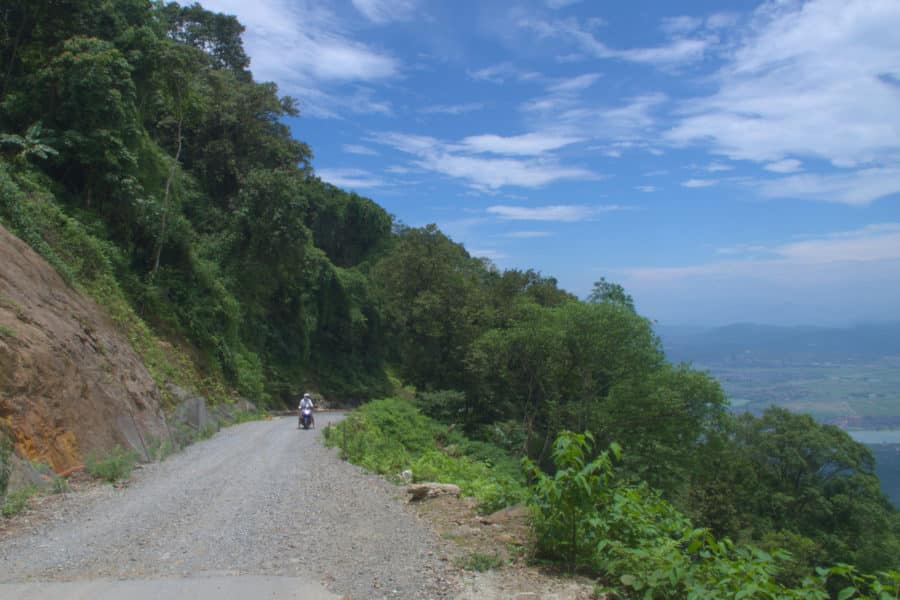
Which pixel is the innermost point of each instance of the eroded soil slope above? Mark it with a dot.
(70, 383)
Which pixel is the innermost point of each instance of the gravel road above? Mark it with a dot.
(261, 498)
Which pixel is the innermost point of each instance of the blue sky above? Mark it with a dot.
(724, 161)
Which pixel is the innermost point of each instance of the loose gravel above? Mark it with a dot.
(261, 498)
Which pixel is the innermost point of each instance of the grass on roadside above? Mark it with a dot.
(389, 436)
(17, 501)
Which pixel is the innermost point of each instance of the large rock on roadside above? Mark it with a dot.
(70, 383)
(421, 491)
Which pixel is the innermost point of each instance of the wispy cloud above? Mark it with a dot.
(489, 253)
(565, 213)
(358, 149)
(800, 85)
(856, 188)
(502, 72)
(353, 179)
(305, 48)
(646, 188)
(452, 109)
(698, 183)
(527, 234)
(871, 244)
(837, 278)
(529, 144)
(385, 11)
(557, 4)
(463, 161)
(677, 51)
(788, 165)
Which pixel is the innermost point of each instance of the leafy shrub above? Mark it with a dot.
(645, 548)
(389, 436)
(446, 406)
(112, 467)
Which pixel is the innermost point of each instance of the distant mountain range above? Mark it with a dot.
(754, 344)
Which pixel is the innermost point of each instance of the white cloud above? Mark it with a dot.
(698, 183)
(452, 109)
(716, 167)
(501, 73)
(646, 188)
(681, 25)
(565, 111)
(350, 178)
(808, 81)
(357, 149)
(677, 51)
(574, 84)
(557, 4)
(721, 20)
(788, 165)
(494, 173)
(488, 253)
(528, 234)
(855, 188)
(305, 49)
(871, 244)
(833, 278)
(529, 144)
(385, 11)
(457, 160)
(563, 213)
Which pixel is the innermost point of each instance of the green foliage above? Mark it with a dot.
(6, 452)
(446, 406)
(480, 562)
(116, 465)
(17, 501)
(567, 502)
(586, 516)
(7, 331)
(607, 291)
(389, 436)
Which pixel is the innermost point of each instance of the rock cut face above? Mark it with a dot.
(70, 382)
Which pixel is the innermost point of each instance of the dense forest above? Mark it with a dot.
(141, 158)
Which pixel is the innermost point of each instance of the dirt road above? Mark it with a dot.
(260, 499)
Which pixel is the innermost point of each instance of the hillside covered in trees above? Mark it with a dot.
(143, 161)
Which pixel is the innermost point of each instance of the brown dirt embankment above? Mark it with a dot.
(70, 383)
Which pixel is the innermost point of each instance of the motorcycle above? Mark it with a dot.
(306, 418)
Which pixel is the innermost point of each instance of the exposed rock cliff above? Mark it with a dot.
(70, 383)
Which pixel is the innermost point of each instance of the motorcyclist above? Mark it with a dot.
(306, 402)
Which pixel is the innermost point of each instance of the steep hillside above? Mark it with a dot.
(69, 382)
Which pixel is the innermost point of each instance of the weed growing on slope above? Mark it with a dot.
(17, 501)
(112, 467)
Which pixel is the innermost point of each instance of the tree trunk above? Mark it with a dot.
(162, 231)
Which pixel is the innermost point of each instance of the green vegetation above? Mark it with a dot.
(113, 466)
(588, 516)
(479, 561)
(390, 436)
(16, 501)
(6, 450)
(141, 159)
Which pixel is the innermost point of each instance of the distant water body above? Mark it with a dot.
(877, 436)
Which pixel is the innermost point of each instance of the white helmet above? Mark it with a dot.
(307, 395)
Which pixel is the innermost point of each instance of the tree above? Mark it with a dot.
(606, 291)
